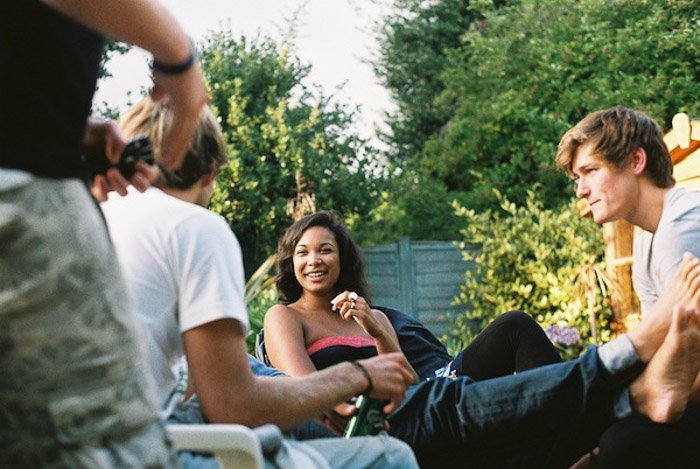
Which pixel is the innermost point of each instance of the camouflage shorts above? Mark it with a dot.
(73, 392)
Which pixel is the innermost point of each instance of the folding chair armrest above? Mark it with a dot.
(235, 446)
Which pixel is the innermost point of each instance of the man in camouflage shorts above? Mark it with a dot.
(70, 363)
(73, 389)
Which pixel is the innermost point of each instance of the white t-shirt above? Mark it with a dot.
(658, 255)
(183, 268)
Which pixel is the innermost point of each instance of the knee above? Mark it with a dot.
(623, 445)
(518, 320)
(397, 454)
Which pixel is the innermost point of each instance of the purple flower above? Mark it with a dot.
(562, 335)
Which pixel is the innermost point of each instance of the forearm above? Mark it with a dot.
(383, 333)
(287, 401)
(144, 23)
(387, 343)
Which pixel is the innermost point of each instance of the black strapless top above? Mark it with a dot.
(330, 351)
(422, 349)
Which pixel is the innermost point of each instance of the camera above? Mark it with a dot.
(137, 149)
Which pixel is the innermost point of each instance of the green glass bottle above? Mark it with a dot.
(369, 419)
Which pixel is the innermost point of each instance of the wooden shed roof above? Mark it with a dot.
(683, 143)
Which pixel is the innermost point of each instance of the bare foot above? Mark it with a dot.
(683, 290)
(688, 280)
(662, 391)
(695, 392)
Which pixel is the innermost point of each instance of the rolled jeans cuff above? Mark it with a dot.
(619, 355)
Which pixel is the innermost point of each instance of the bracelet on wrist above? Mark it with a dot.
(370, 385)
(176, 69)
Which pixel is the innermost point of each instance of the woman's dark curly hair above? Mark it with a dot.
(352, 263)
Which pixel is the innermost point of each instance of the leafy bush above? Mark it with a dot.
(260, 295)
(546, 262)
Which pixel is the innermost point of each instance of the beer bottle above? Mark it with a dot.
(369, 419)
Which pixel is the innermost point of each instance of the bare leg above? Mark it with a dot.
(662, 391)
(683, 290)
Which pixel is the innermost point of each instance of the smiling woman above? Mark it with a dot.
(316, 260)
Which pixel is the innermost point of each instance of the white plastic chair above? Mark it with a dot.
(235, 446)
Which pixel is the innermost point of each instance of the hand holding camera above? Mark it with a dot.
(112, 164)
(138, 149)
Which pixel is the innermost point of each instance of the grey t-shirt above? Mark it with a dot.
(658, 255)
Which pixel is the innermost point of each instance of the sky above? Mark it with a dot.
(333, 37)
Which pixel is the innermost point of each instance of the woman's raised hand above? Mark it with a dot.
(352, 306)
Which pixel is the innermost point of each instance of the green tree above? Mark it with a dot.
(414, 39)
(284, 140)
(536, 260)
(528, 72)
(417, 40)
(412, 205)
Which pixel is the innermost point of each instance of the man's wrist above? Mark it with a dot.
(370, 386)
(176, 68)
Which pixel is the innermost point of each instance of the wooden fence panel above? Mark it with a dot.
(421, 278)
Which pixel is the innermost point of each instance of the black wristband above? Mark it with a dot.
(176, 69)
(364, 371)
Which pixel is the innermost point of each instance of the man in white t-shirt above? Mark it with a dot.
(624, 171)
(183, 269)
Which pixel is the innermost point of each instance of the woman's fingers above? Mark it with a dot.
(340, 299)
(349, 304)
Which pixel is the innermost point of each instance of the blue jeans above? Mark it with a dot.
(545, 417)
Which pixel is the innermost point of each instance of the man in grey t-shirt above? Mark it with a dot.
(624, 171)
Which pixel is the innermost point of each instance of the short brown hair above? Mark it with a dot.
(206, 153)
(615, 134)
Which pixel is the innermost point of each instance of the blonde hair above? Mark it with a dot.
(206, 153)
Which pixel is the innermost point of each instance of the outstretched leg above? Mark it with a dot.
(513, 342)
(545, 417)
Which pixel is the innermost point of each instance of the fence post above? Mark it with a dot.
(406, 281)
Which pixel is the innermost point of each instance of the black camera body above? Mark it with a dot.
(137, 149)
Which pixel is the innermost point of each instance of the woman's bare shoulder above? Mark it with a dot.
(281, 314)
